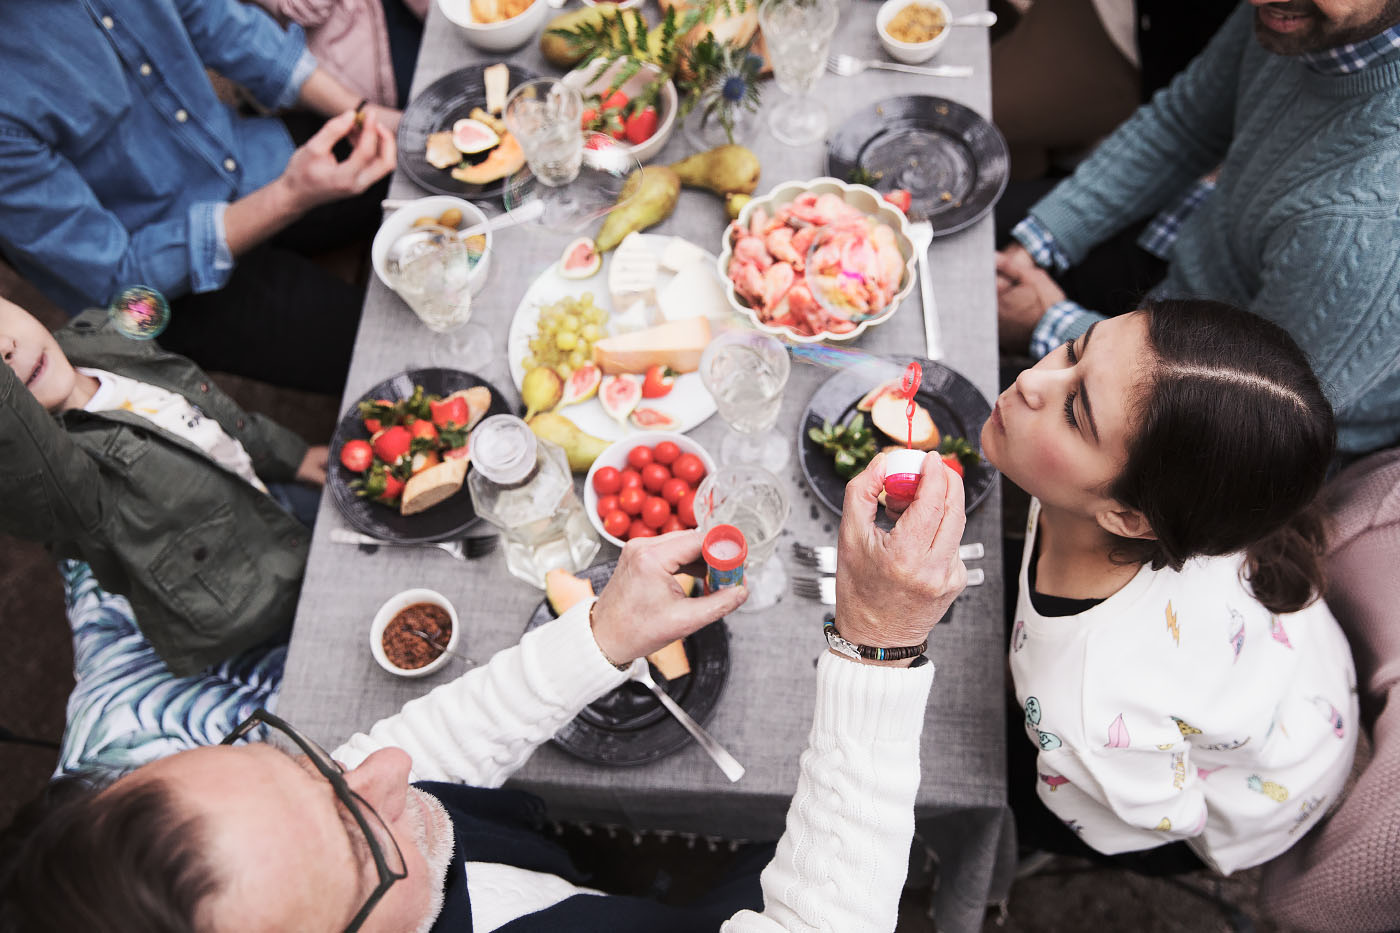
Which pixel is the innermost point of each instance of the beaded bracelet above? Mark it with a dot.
(835, 639)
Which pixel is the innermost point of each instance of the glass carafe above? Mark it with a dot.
(522, 485)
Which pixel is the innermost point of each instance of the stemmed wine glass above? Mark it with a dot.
(752, 499)
(571, 178)
(745, 372)
(434, 271)
(798, 34)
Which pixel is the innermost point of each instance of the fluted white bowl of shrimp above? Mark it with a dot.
(818, 260)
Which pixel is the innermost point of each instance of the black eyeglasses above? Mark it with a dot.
(383, 847)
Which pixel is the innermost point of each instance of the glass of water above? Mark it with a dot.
(431, 269)
(546, 118)
(798, 34)
(745, 372)
(753, 500)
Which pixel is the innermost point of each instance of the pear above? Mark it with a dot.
(728, 169)
(581, 449)
(734, 203)
(648, 197)
(540, 390)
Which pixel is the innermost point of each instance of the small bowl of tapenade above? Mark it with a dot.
(393, 636)
(912, 31)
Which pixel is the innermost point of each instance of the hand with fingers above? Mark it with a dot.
(893, 586)
(314, 176)
(643, 608)
(1024, 293)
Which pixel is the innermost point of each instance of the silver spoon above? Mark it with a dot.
(441, 647)
(641, 673)
(984, 19)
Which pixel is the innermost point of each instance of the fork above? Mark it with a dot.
(823, 557)
(824, 588)
(848, 65)
(462, 549)
(641, 673)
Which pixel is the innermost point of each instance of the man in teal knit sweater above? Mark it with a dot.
(1297, 102)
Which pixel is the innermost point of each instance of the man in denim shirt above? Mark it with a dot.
(119, 165)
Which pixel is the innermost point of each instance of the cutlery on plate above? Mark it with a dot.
(530, 210)
(823, 589)
(641, 673)
(462, 548)
(440, 646)
(921, 235)
(847, 65)
(823, 557)
(983, 19)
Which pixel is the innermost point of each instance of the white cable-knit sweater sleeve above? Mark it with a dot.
(841, 863)
(481, 727)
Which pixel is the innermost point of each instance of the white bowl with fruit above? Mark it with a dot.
(641, 119)
(664, 470)
(496, 25)
(443, 210)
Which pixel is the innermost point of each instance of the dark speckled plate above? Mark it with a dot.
(956, 405)
(628, 726)
(448, 519)
(951, 160)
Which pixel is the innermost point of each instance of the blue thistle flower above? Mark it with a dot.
(734, 89)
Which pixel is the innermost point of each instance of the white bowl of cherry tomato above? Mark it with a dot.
(644, 485)
(639, 114)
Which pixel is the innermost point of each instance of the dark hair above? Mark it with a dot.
(1232, 445)
(126, 861)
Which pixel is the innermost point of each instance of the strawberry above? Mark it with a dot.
(953, 463)
(450, 411)
(392, 443)
(641, 126)
(590, 116)
(900, 199)
(658, 382)
(456, 453)
(379, 484)
(615, 101)
(356, 456)
(377, 414)
(958, 453)
(423, 430)
(598, 141)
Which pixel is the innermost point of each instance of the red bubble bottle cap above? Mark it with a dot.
(725, 547)
(902, 474)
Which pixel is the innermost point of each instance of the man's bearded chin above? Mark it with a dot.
(437, 851)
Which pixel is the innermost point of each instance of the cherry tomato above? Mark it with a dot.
(607, 481)
(672, 524)
(685, 510)
(631, 500)
(665, 453)
(607, 504)
(655, 511)
(616, 523)
(689, 468)
(674, 490)
(639, 456)
(629, 478)
(654, 476)
(356, 456)
(640, 530)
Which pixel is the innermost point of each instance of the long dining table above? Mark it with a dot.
(333, 687)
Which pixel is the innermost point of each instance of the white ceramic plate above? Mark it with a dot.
(689, 401)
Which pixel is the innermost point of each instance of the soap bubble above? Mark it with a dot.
(139, 312)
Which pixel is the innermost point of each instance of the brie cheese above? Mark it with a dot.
(694, 292)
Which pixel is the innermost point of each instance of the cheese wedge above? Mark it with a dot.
(694, 292)
(680, 252)
(426, 489)
(632, 272)
(671, 660)
(677, 344)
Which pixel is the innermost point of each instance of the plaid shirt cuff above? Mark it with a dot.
(1040, 243)
(1064, 320)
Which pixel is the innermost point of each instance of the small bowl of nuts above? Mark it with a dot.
(394, 637)
(912, 31)
(440, 211)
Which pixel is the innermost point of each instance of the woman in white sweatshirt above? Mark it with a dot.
(1179, 675)
(250, 838)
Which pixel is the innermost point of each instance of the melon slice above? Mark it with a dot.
(505, 159)
(671, 660)
(889, 416)
(564, 590)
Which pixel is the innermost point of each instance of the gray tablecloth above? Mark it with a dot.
(333, 687)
